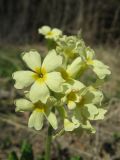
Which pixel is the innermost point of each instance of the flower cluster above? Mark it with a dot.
(54, 88)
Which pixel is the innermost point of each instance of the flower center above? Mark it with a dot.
(50, 33)
(39, 107)
(72, 96)
(40, 75)
(89, 61)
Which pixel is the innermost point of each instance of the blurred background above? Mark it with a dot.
(99, 22)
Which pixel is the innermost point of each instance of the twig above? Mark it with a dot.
(18, 125)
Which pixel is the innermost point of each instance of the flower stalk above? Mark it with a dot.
(48, 143)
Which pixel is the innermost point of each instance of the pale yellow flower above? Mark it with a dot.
(49, 33)
(39, 111)
(99, 68)
(85, 105)
(43, 77)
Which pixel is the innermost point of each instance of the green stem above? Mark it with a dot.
(48, 143)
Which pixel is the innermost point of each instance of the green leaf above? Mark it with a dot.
(26, 151)
(40, 158)
(12, 156)
(51, 44)
(116, 136)
(76, 158)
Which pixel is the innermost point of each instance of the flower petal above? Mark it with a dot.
(71, 105)
(73, 85)
(89, 53)
(32, 59)
(54, 81)
(77, 85)
(75, 121)
(23, 79)
(44, 30)
(87, 125)
(52, 120)
(101, 114)
(75, 67)
(89, 111)
(100, 69)
(36, 120)
(52, 61)
(23, 105)
(68, 125)
(39, 91)
(57, 31)
(93, 96)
